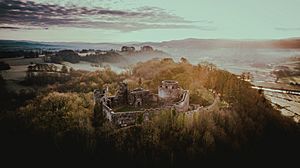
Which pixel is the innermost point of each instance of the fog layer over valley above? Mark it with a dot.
(258, 57)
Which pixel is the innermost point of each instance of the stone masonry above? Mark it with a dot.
(170, 96)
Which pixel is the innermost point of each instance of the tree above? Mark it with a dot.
(64, 116)
(140, 82)
(64, 69)
(184, 60)
(71, 69)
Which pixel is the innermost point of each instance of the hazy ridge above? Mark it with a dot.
(190, 43)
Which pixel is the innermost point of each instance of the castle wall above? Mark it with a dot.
(126, 118)
(168, 93)
(133, 117)
(183, 104)
(139, 98)
(108, 112)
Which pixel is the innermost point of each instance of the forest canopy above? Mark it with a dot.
(247, 128)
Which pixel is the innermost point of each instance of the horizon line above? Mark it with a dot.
(120, 42)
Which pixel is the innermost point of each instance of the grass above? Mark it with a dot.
(125, 108)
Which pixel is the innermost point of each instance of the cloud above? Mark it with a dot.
(29, 13)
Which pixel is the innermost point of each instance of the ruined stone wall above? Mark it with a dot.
(132, 117)
(108, 112)
(168, 95)
(127, 118)
(139, 98)
(122, 94)
(183, 104)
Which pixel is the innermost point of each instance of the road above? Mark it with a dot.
(284, 100)
(276, 90)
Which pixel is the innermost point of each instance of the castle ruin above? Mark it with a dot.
(129, 107)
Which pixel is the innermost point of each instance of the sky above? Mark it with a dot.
(147, 20)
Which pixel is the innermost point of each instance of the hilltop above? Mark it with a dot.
(55, 119)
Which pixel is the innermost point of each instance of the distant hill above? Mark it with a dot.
(12, 45)
(220, 43)
(82, 45)
(190, 43)
(288, 43)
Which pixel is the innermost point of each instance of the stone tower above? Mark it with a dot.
(169, 91)
(122, 93)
